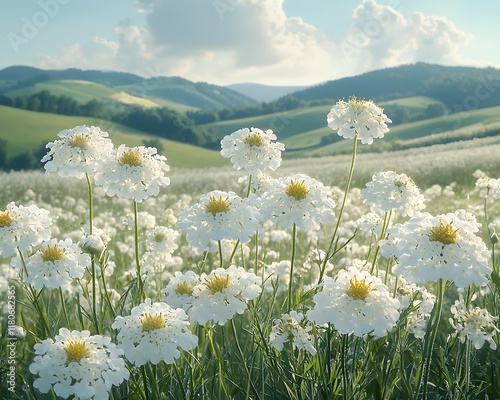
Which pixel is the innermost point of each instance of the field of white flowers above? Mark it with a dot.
(367, 276)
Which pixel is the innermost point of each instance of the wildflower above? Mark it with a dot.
(355, 302)
(179, 291)
(253, 150)
(22, 227)
(288, 328)
(277, 275)
(222, 294)
(474, 324)
(77, 364)
(446, 246)
(54, 265)
(133, 173)
(154, 332)
(389, 190)
(162, 240)
(371, 222)
(298, 199)
(77, 152)
(358, 118)
(219, 215)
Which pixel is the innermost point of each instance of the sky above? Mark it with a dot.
(274, 42)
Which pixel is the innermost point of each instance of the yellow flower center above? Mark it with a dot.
(52, 253)
(217, 283)
(359, 289)
(183, 288)
(297, 189)
(254, 139)
(80, 141)
(444, 233)
(160, 237)
(219, 205)
(357, 104)
(76, 350)
(132, 158)
(151, 322)
(5, 218)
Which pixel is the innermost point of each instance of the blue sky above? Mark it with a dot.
(280, 42)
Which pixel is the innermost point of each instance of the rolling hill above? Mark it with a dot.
(103, 85)
(26, 131)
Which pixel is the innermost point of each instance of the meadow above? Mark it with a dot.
(262, 315)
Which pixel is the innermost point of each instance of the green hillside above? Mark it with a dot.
(27, 130)
(305, 126)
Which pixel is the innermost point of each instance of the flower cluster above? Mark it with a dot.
(77, 364)
(253, 150)
(77, 152)
(220, 215)
(355, 302)
(388, 191)
(153, 332)
(429, 248)
(288, 328)
(360, 119)
(474, 324)
(21, 228)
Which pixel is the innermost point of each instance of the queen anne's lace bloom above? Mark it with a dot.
(77, 364)
(77, 152)
(429, 248)
(297, 199)
(54, 265)
(475, 324)
(289, 328)
(22, 227)
(355, 302)
(358, 117)
(253, 150)
(389, 190)
(222, 294)
(219, 215)
(133, 173)
(154, 332)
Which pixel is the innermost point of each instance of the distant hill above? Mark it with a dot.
(464, 87)
(174, 90)
(261, 93)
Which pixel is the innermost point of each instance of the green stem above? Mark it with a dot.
(220, 253)
(344, 349)
(342, 206)
(292, 263)
(140, 285)
(431, 338)
(383, 230)
(63, 305)
(145, 382)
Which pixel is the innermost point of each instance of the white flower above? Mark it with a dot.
(77, 364)
(54, 266)
(277, 275)
(179, 291)
(429, 248)
(289, 328)
(253, 150)
(162, 241)
(219, 215)
(389, 190)
(298, 199)
(22, 227)
(488, 187)
(77, 152)
(358, 117)
(154, 332)
(474, 324)
(355, 302)
(133, 173)
(222, 294)
(371, 222)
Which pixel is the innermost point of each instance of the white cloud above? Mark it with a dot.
(229, 41)
(381, 36)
